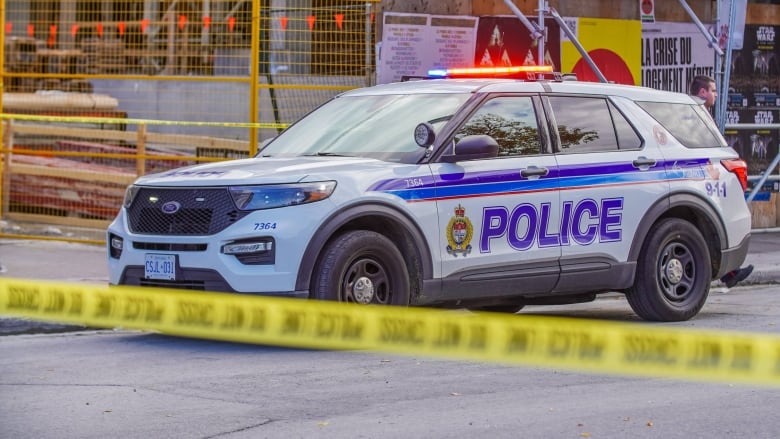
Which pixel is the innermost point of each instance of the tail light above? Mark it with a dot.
(739, 168)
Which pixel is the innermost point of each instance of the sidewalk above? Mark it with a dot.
(764, 254)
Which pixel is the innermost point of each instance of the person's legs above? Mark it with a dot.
(736, 276)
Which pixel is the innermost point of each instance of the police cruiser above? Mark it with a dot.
(466, 191)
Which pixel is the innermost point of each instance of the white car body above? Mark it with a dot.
(474, 231)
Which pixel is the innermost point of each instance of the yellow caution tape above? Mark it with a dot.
(126, 121)
(584, 345)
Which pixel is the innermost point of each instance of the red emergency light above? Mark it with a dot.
(487, 72)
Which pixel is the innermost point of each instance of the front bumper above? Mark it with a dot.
(194, 279)
(201, 263)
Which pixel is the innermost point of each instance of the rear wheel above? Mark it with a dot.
(673, 273)
(362, 267)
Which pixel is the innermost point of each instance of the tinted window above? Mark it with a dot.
(584, 124)
(511, 120)
(627, 137)
(689, 123)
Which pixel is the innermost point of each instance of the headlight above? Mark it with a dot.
(130, 194)
(280, 195)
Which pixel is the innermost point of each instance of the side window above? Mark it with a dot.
(584, 124)
(627, 137)
(511, 120)
(688, 123)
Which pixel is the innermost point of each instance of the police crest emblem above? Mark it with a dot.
(459, 233)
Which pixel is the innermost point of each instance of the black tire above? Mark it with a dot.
(673, 273)
(361, 267)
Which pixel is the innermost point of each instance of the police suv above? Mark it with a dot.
(470, 192)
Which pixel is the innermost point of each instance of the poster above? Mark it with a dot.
(505, 41)
(412, 44)
(753, 97)
(613, 45)
(402, 51)
(672, 54)
(453, 41)
(737, 34)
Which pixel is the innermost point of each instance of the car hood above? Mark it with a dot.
(258, 171)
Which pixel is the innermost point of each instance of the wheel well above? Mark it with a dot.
(400, 236)
(381, 221)
(705, 225)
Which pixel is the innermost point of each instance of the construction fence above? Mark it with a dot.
(96, 93)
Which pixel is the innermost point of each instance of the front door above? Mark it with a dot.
(498, 216)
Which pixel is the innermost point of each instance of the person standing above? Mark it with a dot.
(704, 91)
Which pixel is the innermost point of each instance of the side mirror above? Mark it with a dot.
(478, 146)
(424, 135)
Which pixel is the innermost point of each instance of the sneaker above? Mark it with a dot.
(737, 276)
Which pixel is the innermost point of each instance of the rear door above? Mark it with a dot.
(609, 177)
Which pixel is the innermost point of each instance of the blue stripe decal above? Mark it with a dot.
(492, 183)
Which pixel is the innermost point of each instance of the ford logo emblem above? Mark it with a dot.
(171, 207)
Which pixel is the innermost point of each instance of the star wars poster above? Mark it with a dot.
(753, 97)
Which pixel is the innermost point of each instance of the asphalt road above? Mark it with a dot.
(128, 384)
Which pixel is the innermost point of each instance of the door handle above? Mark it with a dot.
(644, 163)
(534, 171)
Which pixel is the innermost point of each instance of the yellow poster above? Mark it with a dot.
(615, 46)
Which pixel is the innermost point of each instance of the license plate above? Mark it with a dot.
(160, 267)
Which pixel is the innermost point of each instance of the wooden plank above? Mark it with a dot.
(5, 178)
(91, 176)
(184, 140)
(58, 220)
(762, 14)
(75, 132)
(764, 213)
(615, 9)
(197, 141)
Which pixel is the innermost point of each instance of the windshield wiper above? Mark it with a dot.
(330, 154)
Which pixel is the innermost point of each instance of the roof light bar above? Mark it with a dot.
(475, 72)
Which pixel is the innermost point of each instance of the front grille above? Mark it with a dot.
(201, 211)
(181, 285)
(169, 247)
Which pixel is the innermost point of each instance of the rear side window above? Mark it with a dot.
(688, 123)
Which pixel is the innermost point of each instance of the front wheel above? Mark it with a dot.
(362, 267)
(673, 273)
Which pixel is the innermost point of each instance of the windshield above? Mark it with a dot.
(376, 126)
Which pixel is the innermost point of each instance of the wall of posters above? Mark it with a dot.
(412, 44)
(754, 97)
(672, 54)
